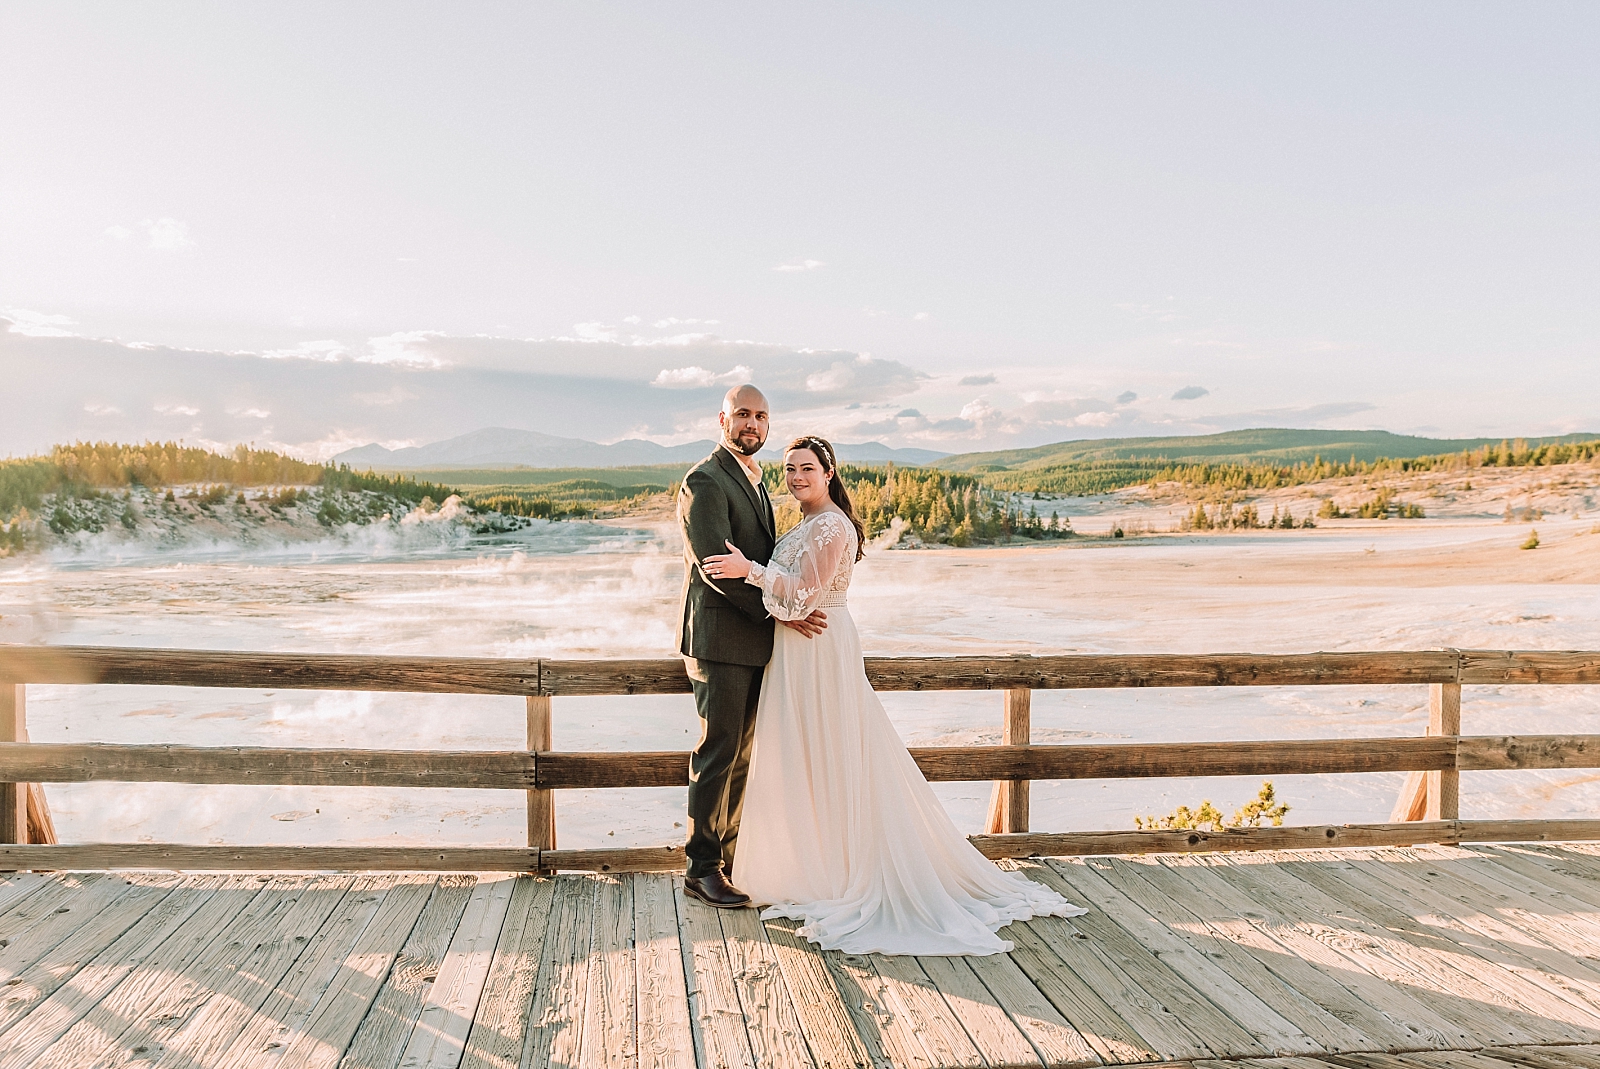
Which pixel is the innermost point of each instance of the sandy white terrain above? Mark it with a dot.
(1457, 578)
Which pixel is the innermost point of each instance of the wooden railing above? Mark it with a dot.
(1428, 809)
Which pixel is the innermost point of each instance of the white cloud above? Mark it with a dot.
(920, 315)
(167, 234)
(37, 324)
(979, 410)
(120, 233)
(177, 410)
(96, 408)
(249, 413)
(801, 265)
(662, 324)
(695, 377)
(407, 348)
(630, 319)
(327, 350)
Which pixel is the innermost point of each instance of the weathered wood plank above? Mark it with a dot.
(320, 1039)
(1084, 671)
(521, 770)
(290, 1001)
(771, 1021)
(665, 1034)
(499, 1029)
(942, 1034)
(84, 762)
(1309, 837)
(719, 1022)
(640, 859)
(198, 1016)
(610, 1018)
(887, 1032)
(15, 885)
(1113, 761)
(14, 731)
(168, 856)
(1055, 1041)
(1500, 966)
(1185, 841)
(1078, 999)
(382, 1035)
(440, 1036)
(1444, 719)
(1253, 932)
(555, 1018)
(1008, 807)
(276, 671)
(32, 927)
(148, 1007)
(1270, 1032)
(974, 1006)
(1563, 974)
(1544, 666)
(112, 984)
(466, 675)
(26, 986)
(825, 1020)
(1436, 976)
(1319, 944)
(541, 803)
(1169, 902)
(1159, 1004)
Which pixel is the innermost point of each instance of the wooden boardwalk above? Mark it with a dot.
(1397, 957)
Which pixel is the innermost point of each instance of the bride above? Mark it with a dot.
(840, 830)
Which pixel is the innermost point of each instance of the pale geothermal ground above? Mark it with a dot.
(1455, 579)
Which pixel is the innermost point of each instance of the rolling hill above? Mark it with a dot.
(1266, 445)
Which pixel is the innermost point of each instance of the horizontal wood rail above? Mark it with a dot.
(483, 675)
(525, 770)
(1427, 811)
(177, 856)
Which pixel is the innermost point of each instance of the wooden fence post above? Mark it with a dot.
(541, 803)
(13, 796)
(1008, 804)
(1444, 718)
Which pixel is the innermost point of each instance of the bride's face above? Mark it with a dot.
(804, 475)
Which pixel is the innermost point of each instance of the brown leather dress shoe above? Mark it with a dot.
(715, 890)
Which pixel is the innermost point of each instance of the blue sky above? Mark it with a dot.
(954, 226)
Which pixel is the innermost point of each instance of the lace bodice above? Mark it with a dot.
(810, 567)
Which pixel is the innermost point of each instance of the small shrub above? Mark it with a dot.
(1532, 542)
(1265, 806)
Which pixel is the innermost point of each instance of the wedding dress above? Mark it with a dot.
(840, 829)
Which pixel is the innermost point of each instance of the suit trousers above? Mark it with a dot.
(726, 696)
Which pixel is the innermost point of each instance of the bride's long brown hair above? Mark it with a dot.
(836, 491)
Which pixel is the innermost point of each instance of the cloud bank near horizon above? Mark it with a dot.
(602, 382)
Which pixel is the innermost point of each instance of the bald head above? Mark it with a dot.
(744, 418)
(743, 396)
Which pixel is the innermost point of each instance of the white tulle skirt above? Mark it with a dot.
(841, 831)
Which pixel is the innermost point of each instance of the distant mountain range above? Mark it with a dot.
(504, 447)
(1267, 445)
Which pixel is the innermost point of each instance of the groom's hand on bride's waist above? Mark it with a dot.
(811, 626)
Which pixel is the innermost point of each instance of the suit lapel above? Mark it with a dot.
(731, 465)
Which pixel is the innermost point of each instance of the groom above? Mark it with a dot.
(725, 636)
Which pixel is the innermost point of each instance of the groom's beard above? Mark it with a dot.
(750, 446)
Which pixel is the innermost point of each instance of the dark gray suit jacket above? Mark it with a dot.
(723, 620)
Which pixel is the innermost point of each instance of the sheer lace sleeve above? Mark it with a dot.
(791, 593)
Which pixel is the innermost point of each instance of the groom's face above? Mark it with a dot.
(744, 419)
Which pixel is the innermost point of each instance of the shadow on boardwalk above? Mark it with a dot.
(1390, 957)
